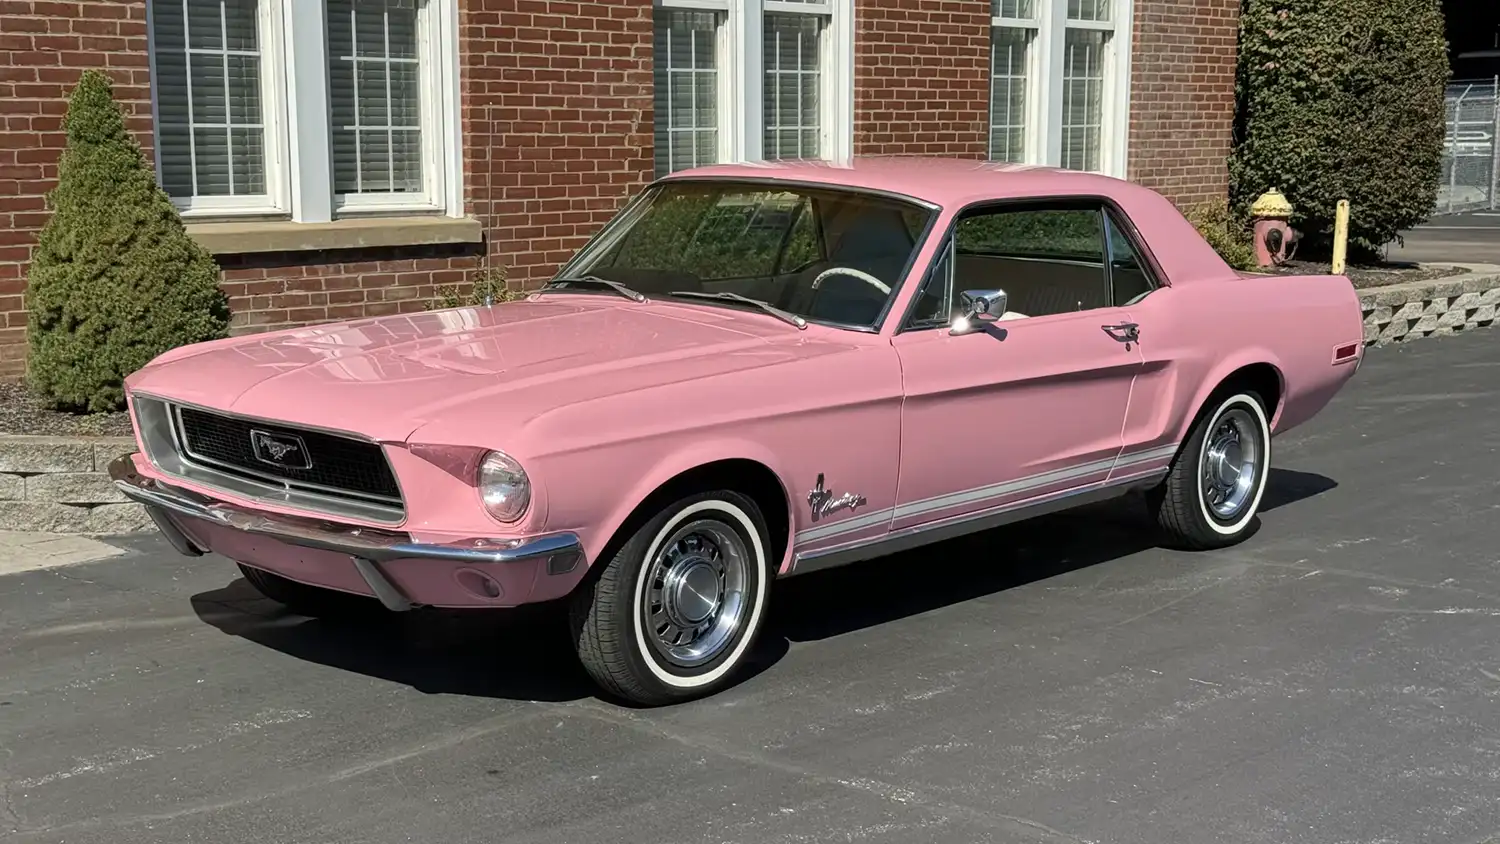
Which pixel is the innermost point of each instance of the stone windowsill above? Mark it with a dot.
(243, 237)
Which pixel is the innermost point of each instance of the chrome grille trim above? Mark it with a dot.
(156, 420)
(183, 448)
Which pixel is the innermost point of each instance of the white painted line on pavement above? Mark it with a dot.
(35, 551)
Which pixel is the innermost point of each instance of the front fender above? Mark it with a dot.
(678, 462)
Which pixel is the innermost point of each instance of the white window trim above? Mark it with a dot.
(1044, 116)
(741, 73)
(431, 36)
(296, 115)
(1031, 138)
(276, 199)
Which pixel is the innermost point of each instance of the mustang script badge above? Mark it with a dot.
(823, 502)
(287, 451)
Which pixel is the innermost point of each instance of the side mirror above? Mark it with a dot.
(980, 307)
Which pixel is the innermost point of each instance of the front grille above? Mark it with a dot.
(331, 464)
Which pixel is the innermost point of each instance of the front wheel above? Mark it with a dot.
(675, 611)
(1212, 493)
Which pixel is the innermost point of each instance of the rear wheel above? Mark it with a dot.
(1213, 491)
(675, 611)
(312, 601)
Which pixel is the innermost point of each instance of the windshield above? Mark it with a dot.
(773, 244)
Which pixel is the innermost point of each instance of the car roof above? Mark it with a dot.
(939, 181)
(1179, 250)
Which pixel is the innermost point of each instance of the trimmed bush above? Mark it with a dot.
(115, 280)
(1227, 234)
(1342, 99)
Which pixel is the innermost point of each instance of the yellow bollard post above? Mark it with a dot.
(1340, 236)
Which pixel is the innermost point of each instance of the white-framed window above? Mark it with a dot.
(308, 109)
(751, 80)
(1060, 83)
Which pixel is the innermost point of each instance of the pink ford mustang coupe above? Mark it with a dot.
(752, 372)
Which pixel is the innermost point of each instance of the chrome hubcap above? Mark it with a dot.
(1231, 464)
(695, 592)
(691, 593)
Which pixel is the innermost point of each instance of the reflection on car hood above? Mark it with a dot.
(386, 377)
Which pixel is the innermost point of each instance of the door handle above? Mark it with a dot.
(1125, 332)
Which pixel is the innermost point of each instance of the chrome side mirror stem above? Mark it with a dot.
(980, 307)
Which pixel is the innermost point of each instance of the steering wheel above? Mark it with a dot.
(850, 271)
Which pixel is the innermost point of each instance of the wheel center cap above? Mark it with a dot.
(1229, 464)
(692, 592)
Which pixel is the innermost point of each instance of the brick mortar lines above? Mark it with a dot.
(557, 109)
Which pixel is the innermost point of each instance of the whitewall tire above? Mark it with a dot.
(677, 608)
(1213, 491)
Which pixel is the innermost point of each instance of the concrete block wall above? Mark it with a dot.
(59, 485)
(1422, 309)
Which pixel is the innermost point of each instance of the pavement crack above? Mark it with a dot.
(1444, 586)
(1482, 611)
(8, 816)
(902, 795)
(1169, 604)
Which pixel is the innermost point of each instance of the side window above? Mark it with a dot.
(1127, 272)
(1047, 260)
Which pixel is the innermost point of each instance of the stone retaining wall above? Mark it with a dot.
(1423, 308)
(59, 485)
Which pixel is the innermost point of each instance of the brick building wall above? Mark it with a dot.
(556, 113)
(557, 122)
(1182, 96)
(44, 46)
(922, 78)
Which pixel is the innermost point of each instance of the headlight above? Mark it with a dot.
(504, 487)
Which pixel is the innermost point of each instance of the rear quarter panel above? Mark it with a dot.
(1195, 335)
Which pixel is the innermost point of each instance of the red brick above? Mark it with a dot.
(557, 112)
(1183, 65)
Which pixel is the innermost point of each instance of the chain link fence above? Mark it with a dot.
(1471, 165)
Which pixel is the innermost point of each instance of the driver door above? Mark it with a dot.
(1031, 408)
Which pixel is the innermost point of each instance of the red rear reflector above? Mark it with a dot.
(1345, 352)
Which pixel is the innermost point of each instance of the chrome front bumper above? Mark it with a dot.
(367, 546)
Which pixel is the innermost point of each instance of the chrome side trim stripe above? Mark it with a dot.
(926, 534)
(870, 519)
(943, 502)
(954, 499)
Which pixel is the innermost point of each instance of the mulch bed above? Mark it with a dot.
(1368, 275)
(21, 413)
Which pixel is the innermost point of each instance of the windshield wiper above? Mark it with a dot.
(628, 293)
(774, 311)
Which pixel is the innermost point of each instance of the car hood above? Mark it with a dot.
(387, 377)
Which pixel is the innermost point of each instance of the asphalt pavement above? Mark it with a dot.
(1334, 679)
(1462, 238)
